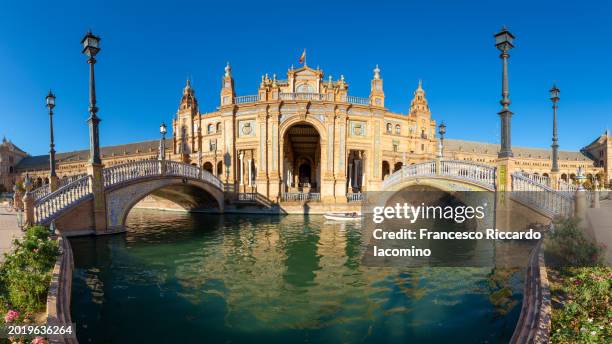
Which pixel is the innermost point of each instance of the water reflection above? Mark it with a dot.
(177, 277)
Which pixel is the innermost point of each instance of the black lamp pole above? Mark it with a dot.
(91, 48)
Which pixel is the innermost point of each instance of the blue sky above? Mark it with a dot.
(149, 49)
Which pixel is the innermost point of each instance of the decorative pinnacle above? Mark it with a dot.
(228, 70)
(376, 72)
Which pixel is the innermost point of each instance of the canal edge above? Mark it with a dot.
(60, 289)
(534, 322)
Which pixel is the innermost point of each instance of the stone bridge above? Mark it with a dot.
(72, 206)
(533, 192)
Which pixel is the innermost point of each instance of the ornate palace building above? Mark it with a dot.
(305, 138)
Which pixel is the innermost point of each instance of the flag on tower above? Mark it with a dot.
(303, 57)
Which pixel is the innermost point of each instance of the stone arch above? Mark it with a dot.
(188, 193)
(288, 123)
(323, 145)
(386, 170)
(398, 166)
(208, 166)
(219, 169)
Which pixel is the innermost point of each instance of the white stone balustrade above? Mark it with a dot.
(301, 196)
(544, 180)
(354, 197)
(476, 173)
(44, 190)
(47, 207)
(409, 172)
(541, 196)
(246, 99)
(306, 96)
(357, 100)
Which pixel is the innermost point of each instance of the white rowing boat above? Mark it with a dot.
(343, 216)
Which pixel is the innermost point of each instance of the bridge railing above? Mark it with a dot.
(472, 172)
(540, 196)
(151, 168)
(44, 190)
(48, 206)
(544, 180)
(129, 171)
(410, 171)
(41, 191)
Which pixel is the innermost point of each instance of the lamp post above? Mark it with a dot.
(441, 131)
(50, 100)
(91, 47)
(503, 42)
(554, 97)
(162, 141)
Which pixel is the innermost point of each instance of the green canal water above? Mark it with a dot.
(185, 278)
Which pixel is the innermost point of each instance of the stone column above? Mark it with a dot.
(275, 155)
(340, 155)
(241, 166)
(503, 210)
(261, 178)
(99, 198)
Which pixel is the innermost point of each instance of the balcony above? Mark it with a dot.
(304, 96)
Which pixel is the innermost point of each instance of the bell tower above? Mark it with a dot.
(377, 95)
(227, 88)
(183, 126)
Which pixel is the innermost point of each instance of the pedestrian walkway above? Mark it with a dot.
(600, 224)
(8, 230)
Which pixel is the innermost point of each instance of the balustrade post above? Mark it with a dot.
(596, 199)
(18, 197)
(162, 167)
(580, 204)
(28, 204)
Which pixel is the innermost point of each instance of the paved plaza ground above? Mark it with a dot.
(8, 229)
(600, 222)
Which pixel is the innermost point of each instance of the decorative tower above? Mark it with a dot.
(184, 130)
(377, 95)
(419, 106)
(227, 88)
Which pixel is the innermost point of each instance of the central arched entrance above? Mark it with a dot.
(302, 158)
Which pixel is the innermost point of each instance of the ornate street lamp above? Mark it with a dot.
(91, 47)
(503, 42)
(50, 100)
(162, 141)
(441, 131)
(554, 97)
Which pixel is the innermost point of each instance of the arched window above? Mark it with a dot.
(219, 168)
(389, 128)
(210, 128)
(218, 127)
(398, 129)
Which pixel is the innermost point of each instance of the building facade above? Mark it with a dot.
(306, 135)
(10, 157)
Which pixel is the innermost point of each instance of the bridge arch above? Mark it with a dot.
(188, 193)
(71, 206)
